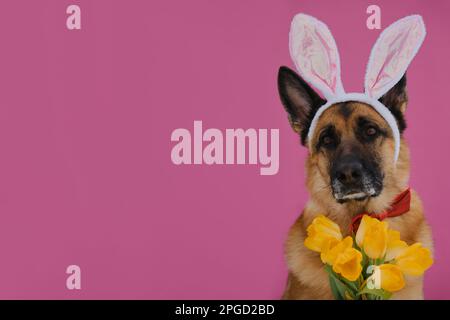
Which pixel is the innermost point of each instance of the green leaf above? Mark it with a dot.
(351, 284)
(376, 293)
(348, 296)
(340, 290)
(334, 289)
(337, 293)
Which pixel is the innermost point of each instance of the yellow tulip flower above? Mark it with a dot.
(348, 264)
(414, 260)
(394, 245)
(363, 225)
(322, 233)
(334, 248)
(391, 277)
(372, 236)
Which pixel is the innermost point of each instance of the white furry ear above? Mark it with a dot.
(315, 55)
(392, 53)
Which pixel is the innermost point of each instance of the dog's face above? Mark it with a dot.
(352, 144)
(352, 148)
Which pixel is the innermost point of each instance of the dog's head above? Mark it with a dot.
(352, 148)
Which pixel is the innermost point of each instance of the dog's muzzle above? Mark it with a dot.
(350, 180)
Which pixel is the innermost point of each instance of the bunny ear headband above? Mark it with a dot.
(316, 57)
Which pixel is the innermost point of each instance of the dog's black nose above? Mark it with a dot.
(349, 172)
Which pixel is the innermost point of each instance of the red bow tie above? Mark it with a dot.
(398, 207)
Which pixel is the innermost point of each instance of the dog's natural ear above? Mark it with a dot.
(299, 99)
(396, 100)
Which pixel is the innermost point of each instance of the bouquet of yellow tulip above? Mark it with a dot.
(369, 264)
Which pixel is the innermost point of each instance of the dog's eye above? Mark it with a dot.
(327, 140)
(371, 131)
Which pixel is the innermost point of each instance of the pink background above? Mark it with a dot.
(85, 123)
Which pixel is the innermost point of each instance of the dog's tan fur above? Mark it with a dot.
(307, 278)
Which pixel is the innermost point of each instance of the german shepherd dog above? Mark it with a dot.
(350, 169)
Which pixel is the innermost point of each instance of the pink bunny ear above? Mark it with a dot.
(315, 54)
(392, 53)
